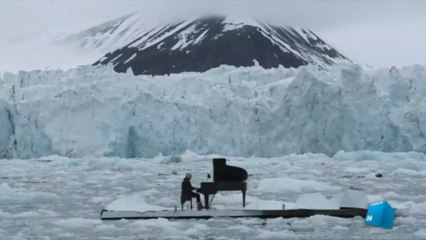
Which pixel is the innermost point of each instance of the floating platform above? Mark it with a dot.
(206, 214)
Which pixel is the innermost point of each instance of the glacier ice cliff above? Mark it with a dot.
(94, 111)
(6, 131)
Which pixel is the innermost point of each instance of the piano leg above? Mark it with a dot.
(244, 198)
(206, 201)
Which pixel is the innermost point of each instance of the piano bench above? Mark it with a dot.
(183, 200)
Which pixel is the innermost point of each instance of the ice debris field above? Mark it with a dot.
(56, 197)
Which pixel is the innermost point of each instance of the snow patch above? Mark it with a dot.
(132, 203)
(130, 58)
(315, 201)
(376, 155)
(418, 209)
(257, 203)
(12, 196)
(284, 234)
(421, 234)
(293, 185)
(78, 223)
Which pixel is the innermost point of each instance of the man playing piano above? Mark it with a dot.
(187, 193)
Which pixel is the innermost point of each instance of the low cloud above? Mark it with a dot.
(373, 32)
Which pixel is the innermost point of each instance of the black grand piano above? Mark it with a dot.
(225, 178)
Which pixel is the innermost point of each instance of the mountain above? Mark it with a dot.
(201, 43)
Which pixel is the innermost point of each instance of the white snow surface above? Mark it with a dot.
(94, 111)
(79, 188)
(315, 201)
(293, 185)
(12, 196)
(351, 199)
(132, 203)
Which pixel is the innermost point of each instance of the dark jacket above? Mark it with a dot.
(187, 187)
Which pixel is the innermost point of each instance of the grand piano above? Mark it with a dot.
(225, 178)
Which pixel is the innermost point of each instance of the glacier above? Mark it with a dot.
(246, 111)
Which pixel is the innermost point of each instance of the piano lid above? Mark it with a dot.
(227, 173)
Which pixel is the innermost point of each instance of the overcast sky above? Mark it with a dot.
(378, 33)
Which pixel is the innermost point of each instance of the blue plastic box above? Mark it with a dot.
(380, 214)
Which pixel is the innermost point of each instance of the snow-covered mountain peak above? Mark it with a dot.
(151, 45)
(233, 22)
(204, 42)
(199, 43)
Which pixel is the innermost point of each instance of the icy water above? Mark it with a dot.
(61, 198)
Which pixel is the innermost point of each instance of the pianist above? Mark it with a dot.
(187, 193)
